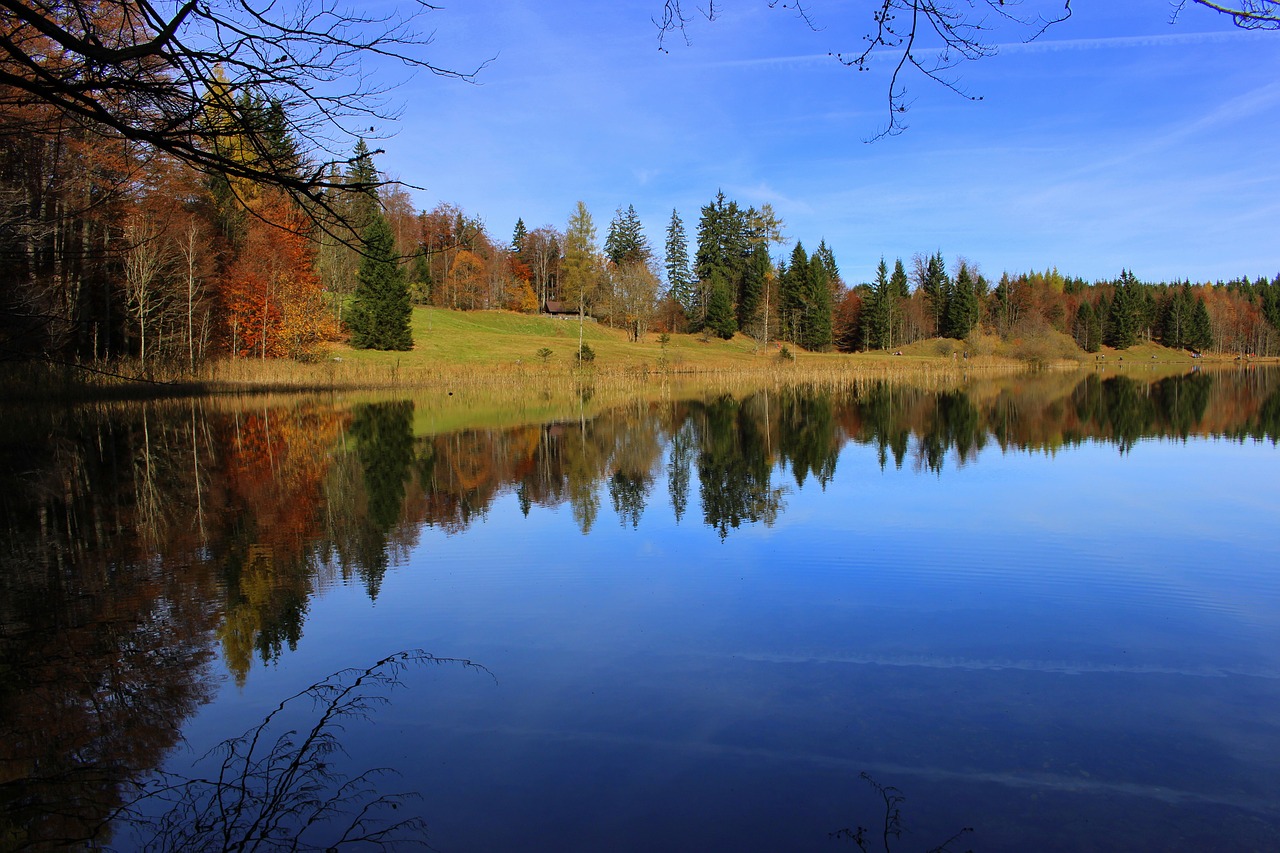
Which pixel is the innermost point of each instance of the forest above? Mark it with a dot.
(122, 250)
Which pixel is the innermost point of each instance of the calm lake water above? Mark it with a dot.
(1045, 607)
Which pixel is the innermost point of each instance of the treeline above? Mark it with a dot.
(112, 250)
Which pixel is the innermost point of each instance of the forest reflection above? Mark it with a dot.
(143, 542)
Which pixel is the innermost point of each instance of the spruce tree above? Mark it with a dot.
(935, 285)
(817, 334)
(876, 317)
(1201, 337)
(1125, 317)
(720, 317)
(380, 312)
(724, 246)
(793, 295)
(1176, 325)
(626, 243)
(679, 282)
(963, 306)
(518, 236)
(900, 290)
(362, 174)
(1086, 329)
(754, 281)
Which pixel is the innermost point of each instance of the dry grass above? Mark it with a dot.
(497, 350)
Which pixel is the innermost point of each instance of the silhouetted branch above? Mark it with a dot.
(891, 824)
(283, 791)
(168, 76)
(1248, 14)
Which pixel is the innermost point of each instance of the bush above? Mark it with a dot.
(586, 354)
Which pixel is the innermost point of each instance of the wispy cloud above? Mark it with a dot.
(1178, 39)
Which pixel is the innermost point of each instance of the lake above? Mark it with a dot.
(1044, 608)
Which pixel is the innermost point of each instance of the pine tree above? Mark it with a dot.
(679, 282)
(380, 313)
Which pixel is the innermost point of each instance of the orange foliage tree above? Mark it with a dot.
(273, 304)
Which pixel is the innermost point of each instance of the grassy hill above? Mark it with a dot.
(449, 341)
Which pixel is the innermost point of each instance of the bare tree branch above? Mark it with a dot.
(932, 37)
(1248, 14)
(168, 75)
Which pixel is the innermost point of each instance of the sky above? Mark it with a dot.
(1118, 140)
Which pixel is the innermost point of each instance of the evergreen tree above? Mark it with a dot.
(380, 313)
(724, 245)
(518, 237)
(1087, 329)
(1271, 303)
(793, 294)
(877, 316)
(720, 319)
(1201, 338)
(363, 204)
(1176, 325)
(626, 243)
(900, 292)
(828, 261)
(817, 333)
(1125, 317)
(963, 307)
(935, 285)
(679, 283)
(754, 281)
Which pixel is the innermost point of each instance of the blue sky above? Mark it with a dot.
(1116, 140)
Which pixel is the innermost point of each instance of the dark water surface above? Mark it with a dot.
(1044, 607)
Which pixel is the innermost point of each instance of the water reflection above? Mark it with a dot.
(144, 542)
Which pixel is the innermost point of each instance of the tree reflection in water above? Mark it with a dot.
(142, 542)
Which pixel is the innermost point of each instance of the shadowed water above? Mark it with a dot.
(1045, 607)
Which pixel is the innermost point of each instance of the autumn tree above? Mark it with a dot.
(165, 76)
(635, 296)
(580, 268)
(541, 251)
